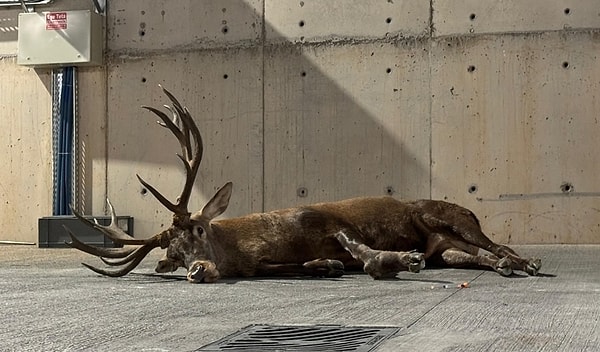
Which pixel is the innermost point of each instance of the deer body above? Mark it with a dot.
(302, 234)
(381, 235)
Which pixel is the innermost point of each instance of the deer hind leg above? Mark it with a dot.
(469, 229)
(457, 258)
(531, 266)
(381, 264)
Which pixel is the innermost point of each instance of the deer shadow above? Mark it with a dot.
(152, 278)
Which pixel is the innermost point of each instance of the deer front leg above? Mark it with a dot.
(325, 267)
(316, 268)
(166, 265)
(381, 264)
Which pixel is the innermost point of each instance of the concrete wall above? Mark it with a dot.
(489, 104)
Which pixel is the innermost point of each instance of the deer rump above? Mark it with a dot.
(380, 235)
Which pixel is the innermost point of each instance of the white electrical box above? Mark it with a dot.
(60, 38)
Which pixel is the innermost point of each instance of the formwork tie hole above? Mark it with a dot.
(567, 187)
(472, 189)
(302, 192)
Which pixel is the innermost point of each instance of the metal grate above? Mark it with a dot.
(303, 338)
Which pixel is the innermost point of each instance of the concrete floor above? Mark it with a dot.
(51, 303)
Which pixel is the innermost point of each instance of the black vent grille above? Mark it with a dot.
(303, 338)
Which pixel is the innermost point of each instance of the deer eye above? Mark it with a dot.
(198, 231)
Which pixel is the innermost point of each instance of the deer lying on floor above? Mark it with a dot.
(380, 235)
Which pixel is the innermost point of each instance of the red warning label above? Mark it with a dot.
(56, 20)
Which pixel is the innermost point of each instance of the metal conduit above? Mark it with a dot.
(64, 147)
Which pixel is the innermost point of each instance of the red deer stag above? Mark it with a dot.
(380, 235)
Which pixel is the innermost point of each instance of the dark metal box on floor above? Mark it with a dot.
(53, 234)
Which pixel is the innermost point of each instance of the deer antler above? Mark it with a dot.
(190, 158)
(131, 256)
(185, 130)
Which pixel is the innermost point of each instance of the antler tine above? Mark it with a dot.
(127, 254)
(176, 120)
(192, 148)
(194, 162)
(186, 145)
(140, 254)
(124, 260)
(182, 112)
(113, 231)
(97, 251)
(162, 199)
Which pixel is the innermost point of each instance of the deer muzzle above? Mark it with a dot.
(202, 271)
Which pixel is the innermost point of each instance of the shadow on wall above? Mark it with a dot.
(289, 118)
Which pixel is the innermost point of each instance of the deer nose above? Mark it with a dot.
(203, 272)
(196, 273)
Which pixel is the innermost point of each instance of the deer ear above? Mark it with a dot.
(219, 202)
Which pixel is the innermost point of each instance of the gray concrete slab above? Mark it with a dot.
(49, 302)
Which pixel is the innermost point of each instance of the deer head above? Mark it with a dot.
(187, 240)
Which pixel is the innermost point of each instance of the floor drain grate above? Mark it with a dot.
(303, 338)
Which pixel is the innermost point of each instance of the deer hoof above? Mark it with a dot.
(416, 262)
(504, 267)
(533, 267)
(325, 267)
(336, 268)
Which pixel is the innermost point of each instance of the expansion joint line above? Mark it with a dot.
(263, 43)
(438, 304)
